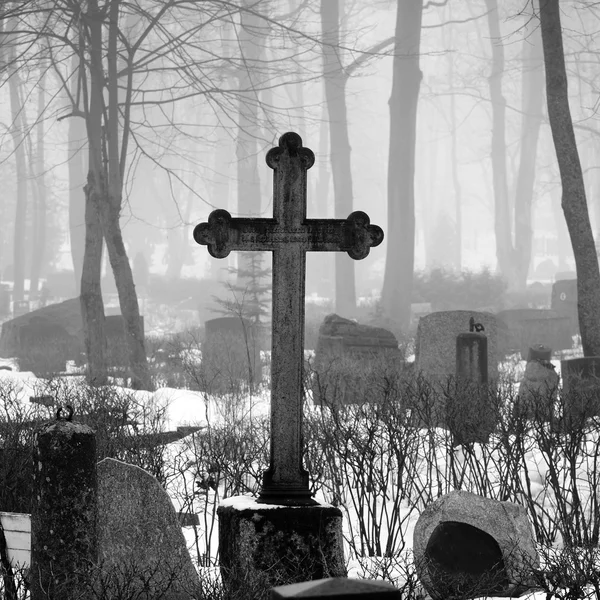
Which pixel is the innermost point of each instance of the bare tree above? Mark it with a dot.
(407, 75)
(574, 203)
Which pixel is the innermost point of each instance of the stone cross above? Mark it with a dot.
(289, 235)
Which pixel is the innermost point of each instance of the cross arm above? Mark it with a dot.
(223, 233)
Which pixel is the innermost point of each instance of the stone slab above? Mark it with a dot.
(351, 361)
(139, 531)
(339, 588)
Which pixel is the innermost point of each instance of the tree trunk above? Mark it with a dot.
(39, 242)
(92, 306)
(573, 202)
(78, 166)
(17, 133)
(406, 81)
(248, 180)
(109, 209)
(340, 150)
(532, 101)
(499, 171)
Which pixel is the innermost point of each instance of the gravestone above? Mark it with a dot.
(580, 396)
(231, 354)
(139, 533)
(44, 339)
(530, 326)
(470, 411)
(247, 534)
(564, 301)
(351, 362)
(435, 345)
(538, 390)
(485, 546)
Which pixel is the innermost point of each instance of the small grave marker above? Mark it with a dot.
(289, 235)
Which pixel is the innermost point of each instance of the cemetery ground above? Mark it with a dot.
(381, 462)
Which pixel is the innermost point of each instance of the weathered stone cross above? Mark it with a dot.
(289, 235)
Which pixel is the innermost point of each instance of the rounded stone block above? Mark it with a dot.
(269, 545)
(462, 524)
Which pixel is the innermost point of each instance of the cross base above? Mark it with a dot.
(286, 494)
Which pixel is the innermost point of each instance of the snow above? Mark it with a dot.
(192, 408)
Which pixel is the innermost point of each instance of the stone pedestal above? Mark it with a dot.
(63, 515)
(262, 546)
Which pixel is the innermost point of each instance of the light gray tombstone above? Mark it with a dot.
(139, 532)
(480, 545)
(435, 346)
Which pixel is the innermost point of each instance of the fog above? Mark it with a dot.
(184, 151)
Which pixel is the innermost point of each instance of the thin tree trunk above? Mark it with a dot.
(40, 220)
(17, 133)
(532, 101)
(109, 208)
(340, 150)
(248, 180)
(92, 306)
(573, 202)
(406, 82)
(499, 170)
(78, 166)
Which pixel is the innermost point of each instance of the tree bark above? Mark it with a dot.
(248, 180)
(573, 202)
(17, 134)
(38, 254)
(340, 150)
(78, 166)
(499, 170)
(92, 306)
(531, 120)
(406, 82)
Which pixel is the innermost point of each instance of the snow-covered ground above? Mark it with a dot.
(189, 408)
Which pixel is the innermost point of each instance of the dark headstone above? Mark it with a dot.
(63, 515)
(580, 389)
(351, 361)
(470, 413)
(539, 352)
(564, 302)
(340, 588)
(231, 354)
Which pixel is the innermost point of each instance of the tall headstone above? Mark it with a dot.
(63, 515)
(289, 235)
(580, 390)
